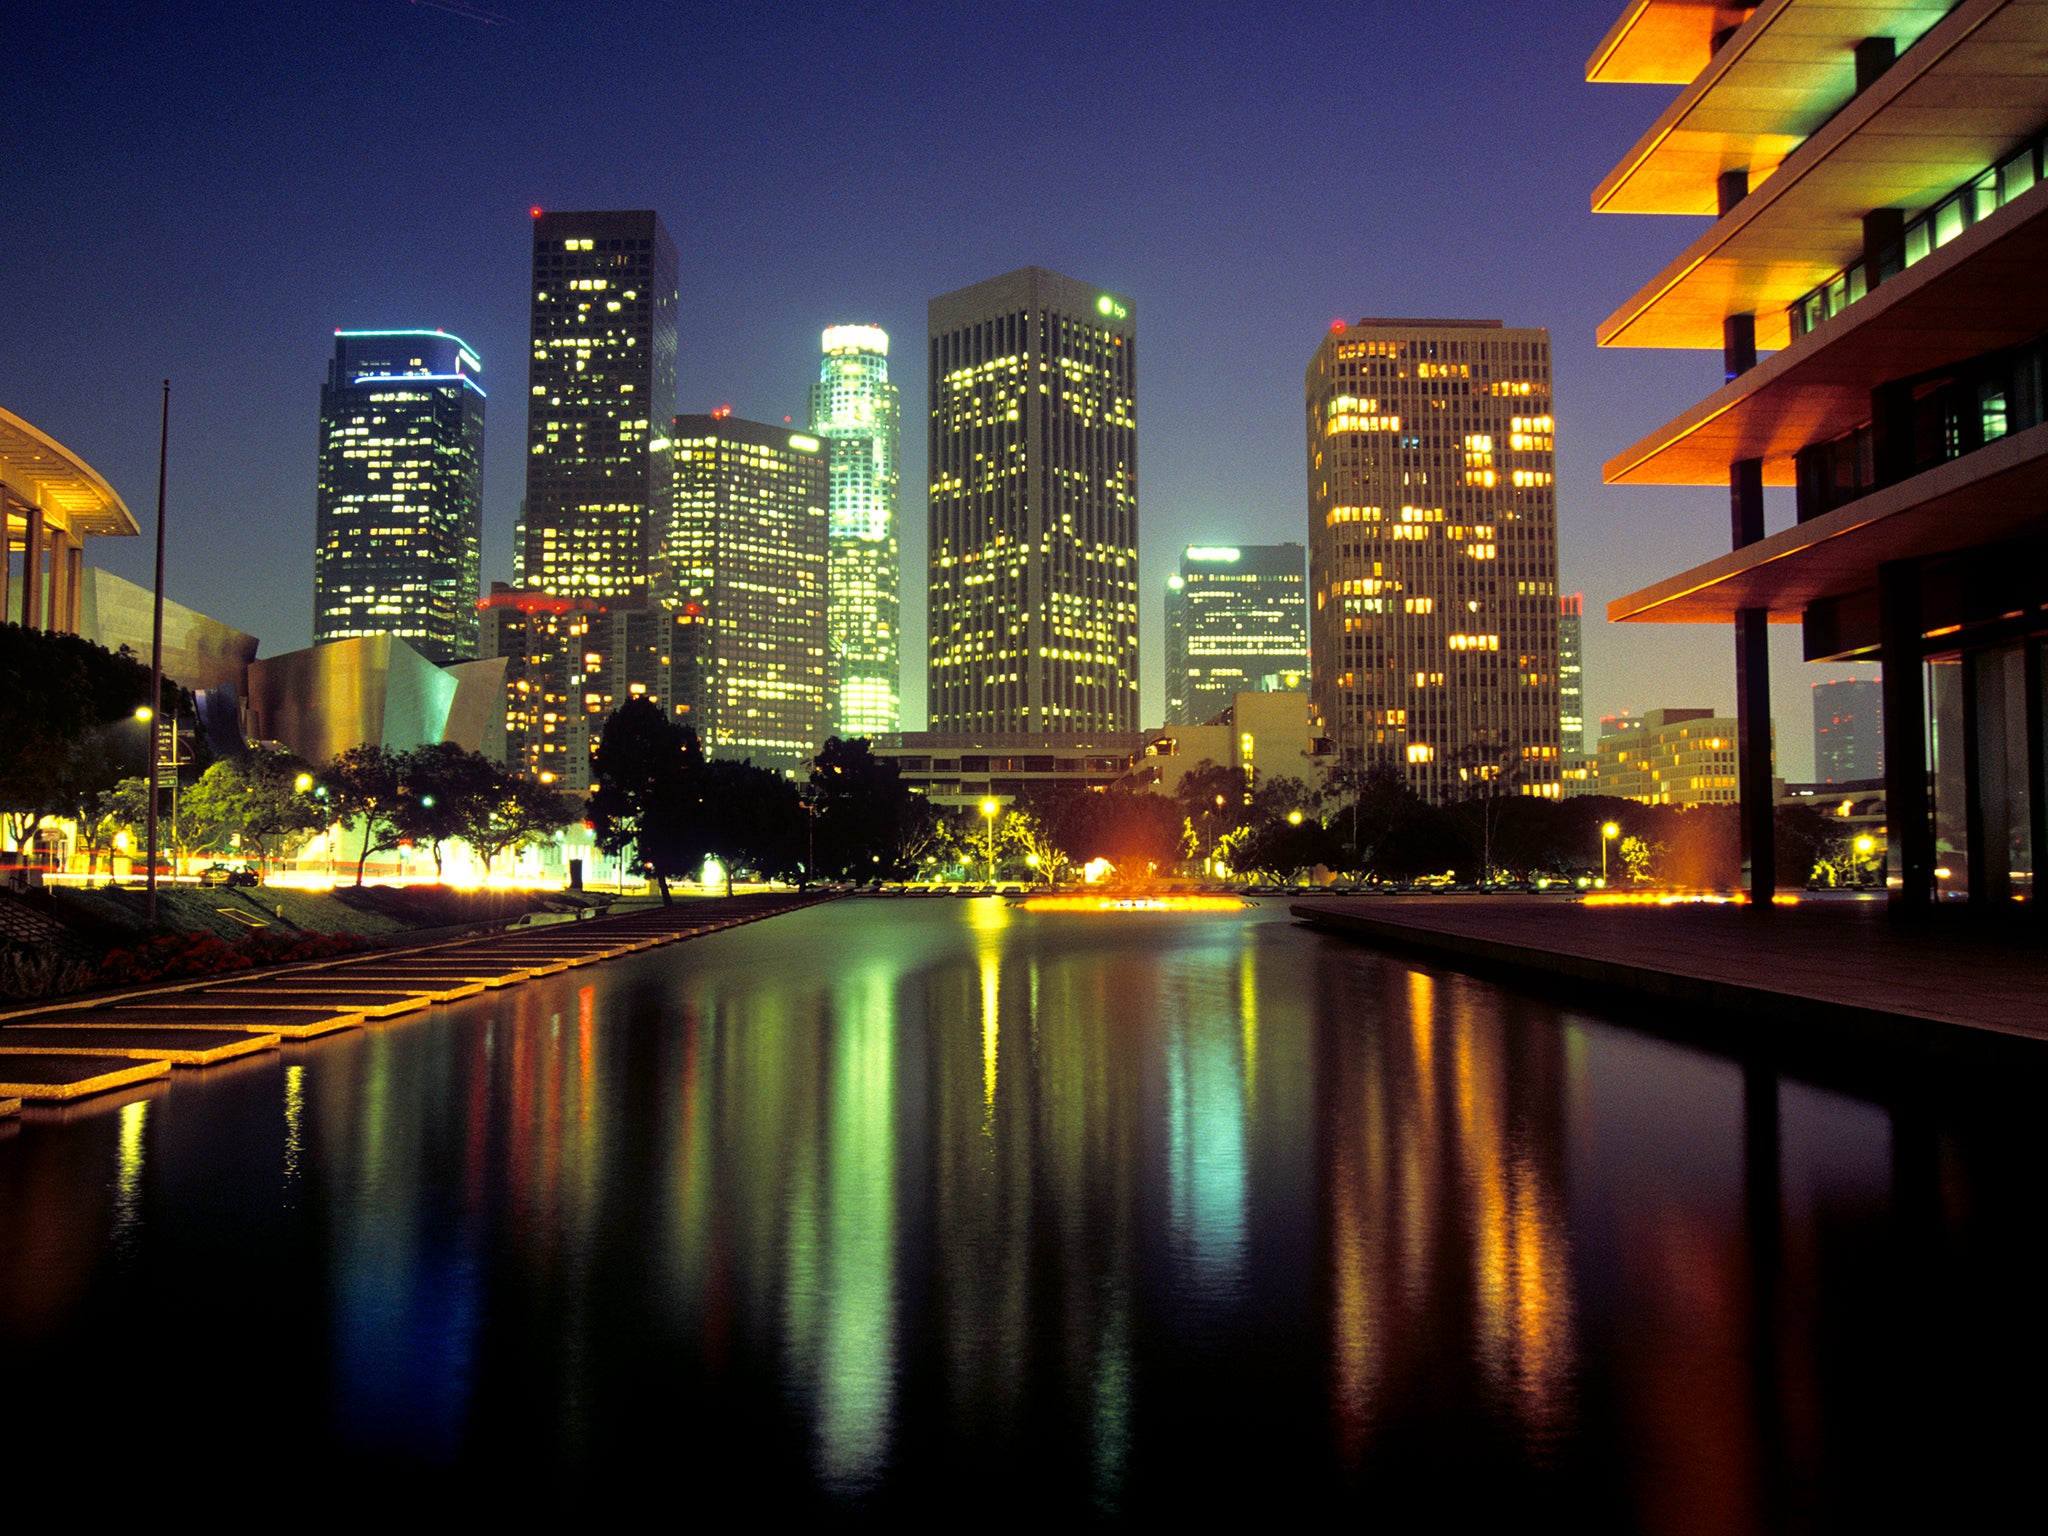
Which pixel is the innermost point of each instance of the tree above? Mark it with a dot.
(752, 820)
(1035, 839)
(1283, 849)
(364, 784)
(443, 791)
(59, 696)
(859, 809)
(516, 814)
(1134, 830)
(649, 794)
(254, 799)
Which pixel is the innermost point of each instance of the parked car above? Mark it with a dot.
(230, 875)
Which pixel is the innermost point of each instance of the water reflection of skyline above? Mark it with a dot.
(896, 1197)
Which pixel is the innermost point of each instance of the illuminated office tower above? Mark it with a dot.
(602, 387)
(1033, 613)
(1571, 674)
(400, 502)
(1433, 553)
(746, 556)
(1235, 615)
(855, 409)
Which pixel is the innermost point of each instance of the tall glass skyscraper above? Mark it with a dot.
(1034, 507)
(400, 502)
(602, 388)
(855, 409)
(1235, 615)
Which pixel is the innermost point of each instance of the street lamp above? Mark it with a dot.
(1294, 818)
(1608, 833)
(1866, 845)
(988, 811)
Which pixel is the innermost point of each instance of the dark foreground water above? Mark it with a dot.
(937, 1208)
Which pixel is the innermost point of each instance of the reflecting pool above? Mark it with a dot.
(947, 1209)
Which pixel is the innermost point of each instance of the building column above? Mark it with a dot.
(1908, 827)
(6, 563)
(1758, 812)
(32, 572)
(74, 582)
(59, 602)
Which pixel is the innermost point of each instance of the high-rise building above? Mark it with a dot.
(1433, 553)
(855, 409)
(1235, 615)
(1848, 730)
(569, 662)
(1571, 674)
(399, 513)
(1669, 757)
(601, 390)
(1033, 614)
(1863, 189)
(747, 551)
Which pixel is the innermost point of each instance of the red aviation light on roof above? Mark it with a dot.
(1336, 326)
(534, 210)
(719, 413)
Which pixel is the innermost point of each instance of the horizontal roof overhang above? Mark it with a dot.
(1661, 42)
(1999, 492)
(39, 471)
(1980, 292)
(1974, 87)
(1784, 73)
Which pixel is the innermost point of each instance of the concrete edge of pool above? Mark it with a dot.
(1705, 964)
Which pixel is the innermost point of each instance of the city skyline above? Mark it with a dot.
(1193, 204)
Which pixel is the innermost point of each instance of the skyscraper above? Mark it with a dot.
(1433, 552)
(1848, 730)
(1033, 615)
(399, 511)
(747, 551)
(602, 387)
(1571, 673)
(1235, 614)
(855, 409)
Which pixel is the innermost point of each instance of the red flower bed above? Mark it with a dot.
(175, 956)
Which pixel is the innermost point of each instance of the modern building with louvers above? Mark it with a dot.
(1870, 275)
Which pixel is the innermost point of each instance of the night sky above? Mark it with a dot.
(205, 192)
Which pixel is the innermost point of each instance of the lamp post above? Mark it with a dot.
(1608, 833)
(1866, 845)
(988, 811)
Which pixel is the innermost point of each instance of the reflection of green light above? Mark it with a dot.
(128, 1166)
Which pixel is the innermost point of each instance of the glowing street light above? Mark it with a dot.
(1294, 818)
(988, 811)
(303, 782)
(1608, 834)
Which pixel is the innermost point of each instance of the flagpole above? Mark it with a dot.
(156, 640)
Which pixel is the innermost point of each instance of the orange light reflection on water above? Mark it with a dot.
(1132, 904)
(1680, 899)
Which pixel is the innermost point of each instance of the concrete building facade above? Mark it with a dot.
(1433, 552)
(1874, 178)
(745, 576)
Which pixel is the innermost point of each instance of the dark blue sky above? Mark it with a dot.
(205, 192)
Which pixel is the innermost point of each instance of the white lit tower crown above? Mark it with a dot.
(855, 408)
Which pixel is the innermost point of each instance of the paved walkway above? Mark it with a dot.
(1959, 984)
(60, 1050)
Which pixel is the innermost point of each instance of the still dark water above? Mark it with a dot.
(936, 1208)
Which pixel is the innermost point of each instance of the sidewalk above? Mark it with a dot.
(1958, 985)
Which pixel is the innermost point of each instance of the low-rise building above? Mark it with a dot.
(1669, 757)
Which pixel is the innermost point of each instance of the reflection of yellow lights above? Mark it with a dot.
(1132, 904)
(1679, 899)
